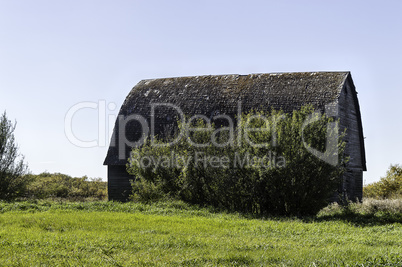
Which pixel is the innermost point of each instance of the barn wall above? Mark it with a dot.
(348, 113)
(119, 187)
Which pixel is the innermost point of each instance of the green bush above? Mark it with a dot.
(146, 191)
(12, 165)
(57, 185)
(389, 186)
(261, 167)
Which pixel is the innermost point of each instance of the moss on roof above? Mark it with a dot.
(212, 94)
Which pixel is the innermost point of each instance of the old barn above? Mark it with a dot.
(153, 106)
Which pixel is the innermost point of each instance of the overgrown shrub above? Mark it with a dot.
(389, 186)
(260, 167)
(146, 191)
(57, 185)
(369, 206)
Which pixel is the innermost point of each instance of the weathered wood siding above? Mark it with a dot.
(349, 120)
(118, 183)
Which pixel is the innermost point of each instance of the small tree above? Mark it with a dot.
(389, 186)
(12, 166)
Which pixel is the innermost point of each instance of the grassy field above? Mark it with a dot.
(175, 234)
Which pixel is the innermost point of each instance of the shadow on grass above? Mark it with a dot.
(344, 214)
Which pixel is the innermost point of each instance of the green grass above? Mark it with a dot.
(176, 234)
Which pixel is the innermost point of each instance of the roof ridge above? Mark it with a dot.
(250, 74)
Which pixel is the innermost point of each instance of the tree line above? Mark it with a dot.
(17, 182)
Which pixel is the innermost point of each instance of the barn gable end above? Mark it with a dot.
(350, 118)
(223, 94)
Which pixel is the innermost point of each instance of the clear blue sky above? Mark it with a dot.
(55, 54)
